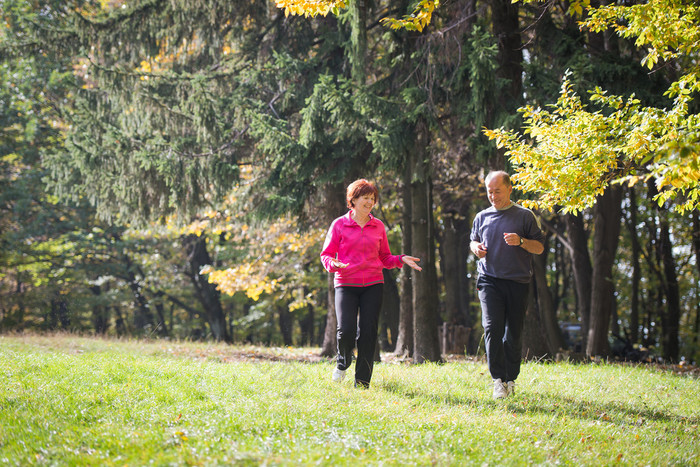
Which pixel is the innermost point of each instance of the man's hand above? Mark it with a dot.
(512, 239)
(479, 249)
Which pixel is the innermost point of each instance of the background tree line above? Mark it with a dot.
(169, 168)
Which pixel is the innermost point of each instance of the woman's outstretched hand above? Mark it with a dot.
(337, 264)
(411, 261)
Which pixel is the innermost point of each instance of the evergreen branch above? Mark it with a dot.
(176, 77)
(121, 15)
(190, 155)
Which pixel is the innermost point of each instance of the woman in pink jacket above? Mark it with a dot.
(356, 250)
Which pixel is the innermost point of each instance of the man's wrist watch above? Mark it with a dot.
(521, 240)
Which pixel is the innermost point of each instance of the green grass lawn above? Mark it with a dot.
(67, 400)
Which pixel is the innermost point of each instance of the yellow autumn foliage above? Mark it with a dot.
(272, 254)
(309, 8)
(416, 21)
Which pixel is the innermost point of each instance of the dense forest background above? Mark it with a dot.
(169, 167)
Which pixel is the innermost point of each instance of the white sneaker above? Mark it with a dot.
(499, 389)
(510, 388)
(338, 375)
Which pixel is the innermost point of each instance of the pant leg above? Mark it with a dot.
(370, 307)
(346, 307)
(515, 318)
(493, 309)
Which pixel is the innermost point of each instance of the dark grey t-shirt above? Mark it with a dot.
(504, 261)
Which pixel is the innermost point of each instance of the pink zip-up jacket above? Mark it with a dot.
(364, 249)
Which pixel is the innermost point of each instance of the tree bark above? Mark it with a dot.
(330, 337)
(454, 252)
(582, 269)
(59, 316)
(607, 220)
(286, 324)
(696, 248)
(389, 318)
(358, 40)
(100, 313)
(163, 327)
(547, 313)
(197, 257)
(404, 340)
(143, 316)
(306, 324)
(425, 299)
(636, 270)
(654, 288)
(506, 30)
(334, 195)
(534, 342)
(671, 318)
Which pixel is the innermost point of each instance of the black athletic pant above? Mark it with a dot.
(503, 307)
(348, 301)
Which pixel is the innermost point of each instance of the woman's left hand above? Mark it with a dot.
(411, 261)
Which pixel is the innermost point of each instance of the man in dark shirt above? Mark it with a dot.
(504, 237)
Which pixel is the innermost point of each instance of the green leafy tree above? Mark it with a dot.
(583, 150)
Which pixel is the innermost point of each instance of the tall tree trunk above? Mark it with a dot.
(334, 195)
(607, 218)
(696, 248)
(143, 316)
(330, 338)
(100, 313)
(307, 324)
(358, 40)
(120, 323)
(696, 238)
(160, 312)
(425, 299)
(286, 324)
(534, 341)
(655, 286)
(454, 255)
(506, 30)
(582, 269)
(59, 317)
(389, 317)
(404, 340)
(547, 313)
(197, 257)
(671, 318)
(636, 270)
(453, 263)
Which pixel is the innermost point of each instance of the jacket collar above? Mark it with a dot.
(348, 220)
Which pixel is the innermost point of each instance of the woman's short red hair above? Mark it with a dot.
(360, 188)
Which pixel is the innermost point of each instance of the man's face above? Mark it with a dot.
(498, 193)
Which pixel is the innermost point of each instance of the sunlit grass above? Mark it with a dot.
(78, 401)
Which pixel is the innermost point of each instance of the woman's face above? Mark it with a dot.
(363, 204)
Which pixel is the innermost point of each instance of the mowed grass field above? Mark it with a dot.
(67, 400)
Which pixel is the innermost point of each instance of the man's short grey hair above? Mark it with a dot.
(498, 173)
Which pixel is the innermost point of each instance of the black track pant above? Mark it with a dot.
(503, 307)
(348, 302)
